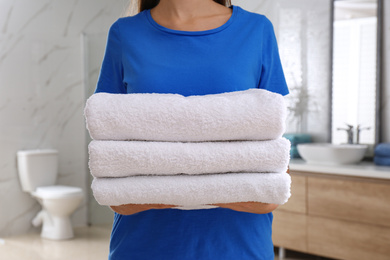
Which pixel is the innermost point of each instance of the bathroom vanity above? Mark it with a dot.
(342, 212)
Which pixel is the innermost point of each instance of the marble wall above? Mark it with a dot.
(42, 94)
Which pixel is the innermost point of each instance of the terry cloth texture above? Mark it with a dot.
(383, 150)
(188, 151)
(253, 114)
(193, 190)
(129, 158)
(382, 160)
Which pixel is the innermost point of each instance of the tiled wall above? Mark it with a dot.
(42, 94)
(303, 30)
(305, 25)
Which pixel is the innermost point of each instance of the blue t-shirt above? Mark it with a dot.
(144, 57)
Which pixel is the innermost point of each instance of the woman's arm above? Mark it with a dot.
(251, 207)
(129, 209)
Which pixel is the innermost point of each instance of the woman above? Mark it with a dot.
(191, 47)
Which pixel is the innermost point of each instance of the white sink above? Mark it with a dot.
(325, 153)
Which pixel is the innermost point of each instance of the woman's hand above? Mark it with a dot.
(251, 207)
(129, 209)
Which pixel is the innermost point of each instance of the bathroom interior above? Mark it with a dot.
(336, 59)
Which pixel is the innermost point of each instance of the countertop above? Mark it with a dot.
(362, 169)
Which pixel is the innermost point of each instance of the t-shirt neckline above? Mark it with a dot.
(220, 28)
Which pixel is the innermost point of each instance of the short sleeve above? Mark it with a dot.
(111, 72)
(272, 76)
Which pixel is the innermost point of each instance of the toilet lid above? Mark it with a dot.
(58, 191)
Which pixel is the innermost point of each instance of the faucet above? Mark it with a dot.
(349, 132)
(358, 130)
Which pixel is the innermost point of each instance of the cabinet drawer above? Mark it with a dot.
(347, 240)
(297, 201)
(289, 230)
(355, 200)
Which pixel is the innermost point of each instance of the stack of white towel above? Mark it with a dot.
(188, 151)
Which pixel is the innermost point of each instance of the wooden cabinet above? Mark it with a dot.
(298, 200)
(335, 216)
(343, 239)
(289, 230)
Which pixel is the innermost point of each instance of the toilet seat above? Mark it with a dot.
(57, 192)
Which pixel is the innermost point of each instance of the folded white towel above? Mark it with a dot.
(190, 191)
(253, 114)
(128, 158)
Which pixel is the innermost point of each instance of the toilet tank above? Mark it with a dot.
(37, 168)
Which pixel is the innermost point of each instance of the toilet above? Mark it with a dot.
(38, 171)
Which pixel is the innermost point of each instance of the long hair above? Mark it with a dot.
(137, 6)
